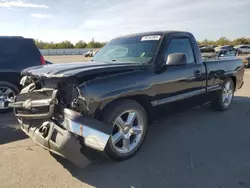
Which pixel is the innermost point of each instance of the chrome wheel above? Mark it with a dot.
(227, 94)
(128, 131)
(6, 95)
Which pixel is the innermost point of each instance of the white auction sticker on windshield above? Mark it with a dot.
(151, 37)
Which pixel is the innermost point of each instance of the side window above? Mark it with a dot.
(181, 45)
(29, 48)
(9, 48)
(230, 53)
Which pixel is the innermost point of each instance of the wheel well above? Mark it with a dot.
(234, 80)
(11, 77)
(139, 99)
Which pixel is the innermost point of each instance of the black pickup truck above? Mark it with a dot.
(107, 104)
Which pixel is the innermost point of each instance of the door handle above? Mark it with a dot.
(197, 73)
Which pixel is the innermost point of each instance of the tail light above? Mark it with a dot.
(43, 61)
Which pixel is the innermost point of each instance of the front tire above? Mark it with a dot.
(129, 121)
(225, 96)
(7, 93)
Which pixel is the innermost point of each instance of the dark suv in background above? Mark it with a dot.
(16, 54)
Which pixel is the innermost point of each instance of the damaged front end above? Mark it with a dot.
(47, 117)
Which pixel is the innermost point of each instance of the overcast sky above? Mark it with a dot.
(57, 20)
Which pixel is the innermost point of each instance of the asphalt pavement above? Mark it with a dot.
(200, 148)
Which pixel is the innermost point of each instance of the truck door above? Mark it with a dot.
(180, 84)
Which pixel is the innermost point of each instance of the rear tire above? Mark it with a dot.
(7, 92)
(129, 121)
(225, 96)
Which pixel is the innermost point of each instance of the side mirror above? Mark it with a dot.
(176, 59)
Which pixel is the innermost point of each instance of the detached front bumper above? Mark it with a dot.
(68, 135)
(69, 138)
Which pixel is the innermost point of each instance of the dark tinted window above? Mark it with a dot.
(28, 47)
(18, 47)
(181, 45)
(9, 47)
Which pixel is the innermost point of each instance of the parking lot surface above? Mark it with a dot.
(67, 58)
(200, 148)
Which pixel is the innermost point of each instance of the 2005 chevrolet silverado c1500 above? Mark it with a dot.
(107, 103)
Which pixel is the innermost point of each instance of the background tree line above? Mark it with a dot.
(225, 41)
(67, 44)
(94, 44)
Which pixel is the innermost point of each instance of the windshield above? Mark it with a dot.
(136, 49)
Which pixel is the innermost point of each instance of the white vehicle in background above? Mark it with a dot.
(244, 49)
(88, 53)
(95, 52)
(91, 53)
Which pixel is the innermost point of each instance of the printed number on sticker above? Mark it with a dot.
(152, 37)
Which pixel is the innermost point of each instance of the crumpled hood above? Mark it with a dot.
(79, 69)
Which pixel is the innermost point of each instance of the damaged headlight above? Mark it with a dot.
(80, 95)
(26, 80)
(79, 103)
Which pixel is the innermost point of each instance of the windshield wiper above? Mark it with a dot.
(114, 60)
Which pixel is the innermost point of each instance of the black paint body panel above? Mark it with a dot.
(160, 89)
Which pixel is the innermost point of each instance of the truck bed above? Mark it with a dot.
(216, 68)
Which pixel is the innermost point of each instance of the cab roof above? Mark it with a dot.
(154, 33)
(11, 37)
